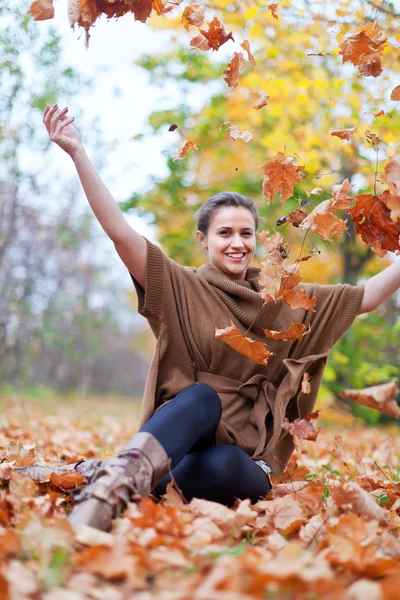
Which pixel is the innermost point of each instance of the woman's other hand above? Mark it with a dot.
(60, 129)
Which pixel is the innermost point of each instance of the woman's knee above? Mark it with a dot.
(206, 401)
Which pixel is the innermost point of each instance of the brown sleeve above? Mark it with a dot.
(150, 298)
(352, 297)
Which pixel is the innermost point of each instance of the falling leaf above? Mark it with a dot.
(41, 10)
(276, 280)
(395, 95)
(235, 66)
(372, 220)
(364, 49)
(261, 102)
(200, 42)
(343, 134)
(270, 242)
(295, 332)
(216, 35)
(163, 8)
(296, 217)
(340, 198)
(305, 384)
(274, 10)
(303, 429)
(380, 113)
(373, 139)
(235, 134)
(193, 15)
(381, 397)
(183, 149)
(246, 46)
(280, 176)
(299, 300)
(256, 351)
(393, 203)
(173, 127)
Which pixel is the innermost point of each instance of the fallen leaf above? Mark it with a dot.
(246, 46)
(280, 176)
(256, 351)
(343, 134)
(216, 35)
(350, 496)
(295, 332)
(382, 397)
(364, 49)
(284, 513)
(193, 15)
(371, 217)
(42, 10)
(296, 217)
(234, 68)
(69, 480)
(299, 299)
(305, 428)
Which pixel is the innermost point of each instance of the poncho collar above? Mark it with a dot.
(241, 297)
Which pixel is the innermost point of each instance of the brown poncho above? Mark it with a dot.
(184, 305)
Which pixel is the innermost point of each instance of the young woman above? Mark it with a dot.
(210, 414)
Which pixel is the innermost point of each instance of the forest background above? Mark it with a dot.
(67, 312)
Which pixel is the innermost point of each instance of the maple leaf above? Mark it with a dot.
(235, 133)
(372, 220)
(234, 68)
(216, 35)
(183, 149)
(364, 49)
(286, 514)
(271, 243)
(350, 493)
(246, 46)
(373, 139)
(395, 95)
(340, 198)
(325, 224)
(261, 102)
(69, 480)
(343, 134)
(280, 176)
(296, 217)
(193, 15)
(271, 275)
(295, 332)
(380, 113)
(256, 351)
(42, 10)
(200, 42)
(299, 300)
(305, 384)
(274, 10)
(303, 429)
(381, 397)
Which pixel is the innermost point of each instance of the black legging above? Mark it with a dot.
(186, 428)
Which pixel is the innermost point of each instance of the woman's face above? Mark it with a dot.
(230, 241)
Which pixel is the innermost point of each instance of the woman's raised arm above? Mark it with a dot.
(130, 246)
(380, 287)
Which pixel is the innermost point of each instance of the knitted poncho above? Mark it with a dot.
(184, 305)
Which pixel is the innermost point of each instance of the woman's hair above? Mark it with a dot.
(220, 200)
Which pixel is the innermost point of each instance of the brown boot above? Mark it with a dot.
(87, 468)
(134, 471)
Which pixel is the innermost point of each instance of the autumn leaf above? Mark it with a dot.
(303, 429)
(69, 480)
(340, 198)
(299, 300)
(343, 134)
(261, 102)
(41, 10)
(372, 139)
(364, 49)
(372, 220)
(280, 176)
(235, 66)
(246, 46)
(200, 42)
(274, 10)
(395, 95)
(256, 351)
(216, 35)
(381, 397)
(173, 127)
(270, 242)
(193, 15)
(296, 217)
(183, 149)
(379, 114)
(350, 493)
(284, 513)
(235, 133)
(163, 8)
(305, 384)
(295, 332)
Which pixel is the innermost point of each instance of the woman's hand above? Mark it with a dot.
(60, 129)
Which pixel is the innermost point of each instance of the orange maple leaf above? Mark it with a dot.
(303, 429)
(246, 46)
(42, 10)
(271, 243)
(67, 481)
(193, 15)
(382, 397)
(216, 35)
(256, 351)
(343, 134)
(299, 299)
(280, 176)
(183, 149)
(391, 175)
(372, 220)
(234, 68)
(295, 332)
(364, 49)
(296, 217)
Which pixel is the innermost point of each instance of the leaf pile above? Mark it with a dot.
(329, 529)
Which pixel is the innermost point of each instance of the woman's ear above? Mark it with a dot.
(202, 239)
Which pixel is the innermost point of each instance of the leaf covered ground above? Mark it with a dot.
(329, 529)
